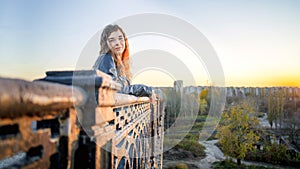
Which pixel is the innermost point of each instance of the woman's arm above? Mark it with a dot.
(139, 90)
(106, 64)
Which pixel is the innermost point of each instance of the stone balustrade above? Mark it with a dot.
(76, 119)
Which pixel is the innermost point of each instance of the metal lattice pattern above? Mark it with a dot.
(132, 136)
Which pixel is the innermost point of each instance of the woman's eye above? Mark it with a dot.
(111, 40)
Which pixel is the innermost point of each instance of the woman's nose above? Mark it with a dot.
(118, 42)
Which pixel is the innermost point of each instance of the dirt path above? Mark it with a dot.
(213, 154)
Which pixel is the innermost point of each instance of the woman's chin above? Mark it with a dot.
(118, 53)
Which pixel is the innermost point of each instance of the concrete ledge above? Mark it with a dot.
(120, 99)
(82, 78)
(124, 99)
(20, 97)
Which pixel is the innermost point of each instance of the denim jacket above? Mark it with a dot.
(106, 64)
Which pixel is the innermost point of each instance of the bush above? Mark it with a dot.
(231, 165)
(181, 166)
(193, 146)
(275, 153)
(198, 126)
(177, 166)
(297, 157)
(225, 165)
(192, 136)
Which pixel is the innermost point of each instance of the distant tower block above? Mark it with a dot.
(178, 85)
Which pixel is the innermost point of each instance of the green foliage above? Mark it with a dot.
(298, 157)
(192, 136)
(203, 94)
(177, 166)
(181, 166)
(275, 153)
(203, 107)
(205, 100)
(193, 146)
(230, 165)
(201, 118)
(236, 131)
(226, 165)
(191, 140)
(198, 126)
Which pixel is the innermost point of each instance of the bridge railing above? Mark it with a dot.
(80, 123)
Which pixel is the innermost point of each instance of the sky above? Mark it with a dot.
(257, 42)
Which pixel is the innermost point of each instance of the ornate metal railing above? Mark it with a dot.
(81, 123)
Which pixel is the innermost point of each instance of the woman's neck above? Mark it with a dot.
(117, 57)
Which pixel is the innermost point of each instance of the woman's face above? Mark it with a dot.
(116, 43)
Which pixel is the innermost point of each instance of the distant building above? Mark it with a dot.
(258, 91)
(289, 93)
(297, 91)
(190, 89)
(229, 91)
(178, 85)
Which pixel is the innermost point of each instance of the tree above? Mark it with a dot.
(271, 109)
(203, 94)
(293, 126)
(203, 105)
(237, 131)
(276, 102)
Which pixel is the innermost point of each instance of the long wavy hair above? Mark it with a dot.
(124, 65)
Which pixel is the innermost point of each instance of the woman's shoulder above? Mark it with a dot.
(103, 60)
(106, 57)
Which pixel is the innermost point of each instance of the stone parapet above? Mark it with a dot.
(77, 119)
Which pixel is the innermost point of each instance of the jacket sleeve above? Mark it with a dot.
(106, 64)
(138, 90)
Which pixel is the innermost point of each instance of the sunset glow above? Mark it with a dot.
(257, 42)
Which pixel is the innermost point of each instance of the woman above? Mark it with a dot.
(114, 61)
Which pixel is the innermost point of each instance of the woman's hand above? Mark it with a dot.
(102, 74)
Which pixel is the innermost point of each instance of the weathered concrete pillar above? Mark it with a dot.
(37, 123)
